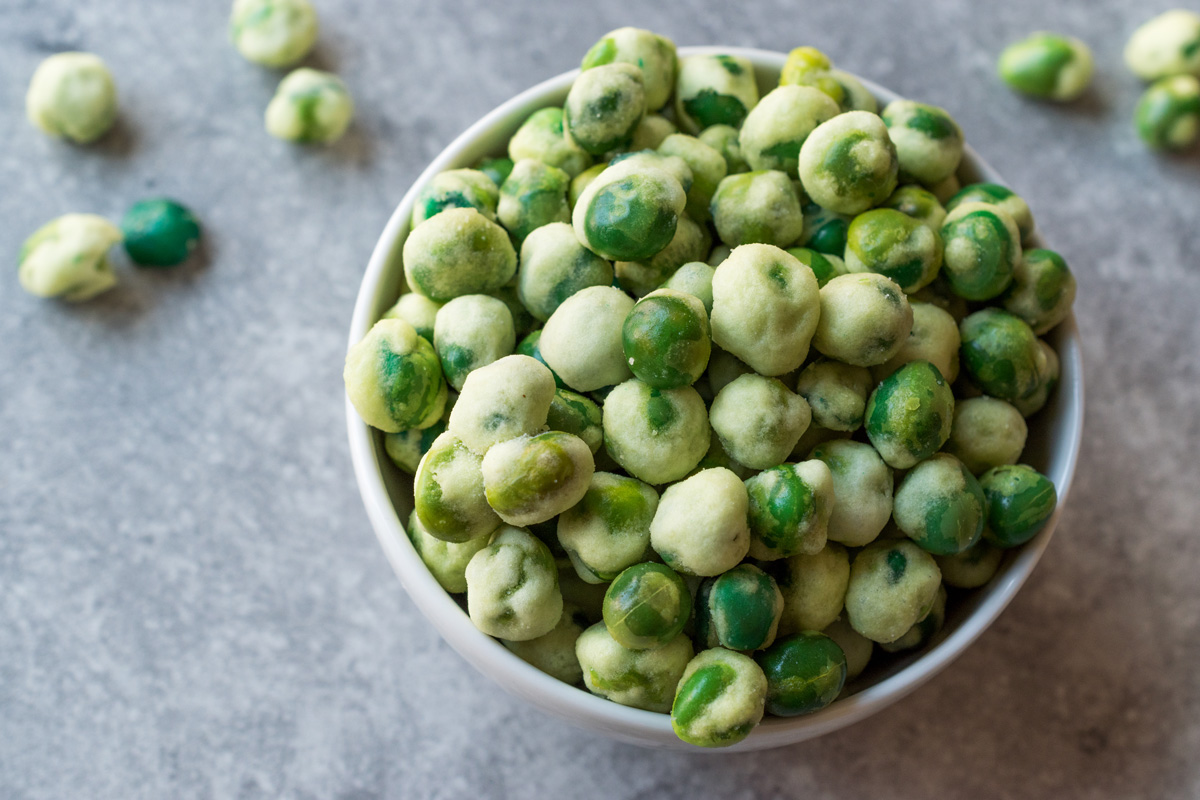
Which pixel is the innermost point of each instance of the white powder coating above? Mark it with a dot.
(600, 540)
(604, 106)
(471, 185)
(864, 319)
(456, 252)
(814, 589)
(700, 527)
(862, 484)
(766, 306)
(68, 258)
(541, 137)
(417, 310)
(512, 587)
(858, 648)
(475, 324)
(836, 393)
(759, 420)
(875, 165)
(555, 265)
(934, 338)
(532, 479)
(310, 106)
(362, 377)
(447, 561)
(938, 478)
(72, 96)
(740, 704)
(758, 207)
(638, 678)
(582, 339)
(554, 652)
(923, 157)
(785, 115)
(987, 432)
(1165, 46)
(881, 606)
(274, 33)
(732, 76)
(507, 398)
(448, 492)
(656, 435)
(654, 54)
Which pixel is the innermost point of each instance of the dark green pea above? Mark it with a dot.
(406, 448)
(826, 266)
(498, 169)
(646, 606)
(719, 700)
(982, 248)
(627, 219)
(825, 231)
(159, 233)
(1168, 115)
(921, 633)
(910, 414)
(667, 340)
(895, 245)
(805, 672)
(1048, 66)
(1020, 500)
(940, 505)
(1042, 291)
(789, 509)
(1001, 354)
(739, 609)
(529, 347)
(574, 413)
(993, 194)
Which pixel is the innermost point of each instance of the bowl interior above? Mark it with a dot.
(1053, 446)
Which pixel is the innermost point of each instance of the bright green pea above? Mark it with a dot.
(940, 505)
(982, 248)
(1168, 114)
(496, 168)
(72, 96)
(824, 230)
(532, 479)
(896, 245)
(808, 66)
(714, 90)
(757, 207)
(1019, 502)
(805, 672)
(1047, 66)
(918, 203)
(310, 106)
(739, 609)
(849, 164)
(909, 414)
(457, 188)
(68, 258)
(448, 493)
(1042, 291)
(653, 54)
(667, 340)
(609, 529)
(646, 606)
(535, 194)
(457, 252)
(993, 194)
(789, 510)
(394, 379)
(604, 106)
(928, 141)
(719, 700)
(543, 138)
(1166, 45)
(629, 213)
(576, 414)
(1001, 354)
(159, 233)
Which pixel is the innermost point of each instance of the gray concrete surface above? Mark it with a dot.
(192, 604)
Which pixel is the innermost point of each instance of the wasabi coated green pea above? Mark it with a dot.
(68, 258)
(311, 107)
(918, 203)
(470, 332)
(446, 561)
(535, 194)
(694, 278)
(457, 188)
(856, 647)
(808, 66)
(700, 526)
(274, 33)
(523, 321)
(928, 141)
(573, 413)
(864, 319)
(790, 506)
(394, 379)
(896, 245)
(925, 628)
(986, 433)
(159, 233)
(666, 339)
(417, 310)
(1019, 502)
(654, 55)
(825, 267)
(739, 609)
(893, 584)
(836, 393)
(652, 159)
(862, 484)
(1042, 291)
(724, 139)
(824, 230)
(933, 338)
(656, 435)
(940, 294)
(638, 678)
(448, 493)
(542, 137)
(604, 106)
(759, 420)
(849, 164)
(646, 606)
(1001, 354)
(805, 672)
(554, 652)
(775, 129)
(971, 568)
(982, 248)
(554, 266)
(406, 448)
(766, 306)
(857, 97)
(609, 529)
(909, 414)
(629, 213)
(719, 700)
(457, 252)
(581, 181)
(993, 194)
(757, 207)
(940, 505)
(719, 253)
(813, 587)
(508, 398)
(582, 339)
(1047, 66)
(512, 587)
(708, 170)
(1168, 115)
(651, 132)
(714, 90)
(1165, 46)
(531, 479)
(690, 243)
(497, 169)
(1047, 380)
(72, 96)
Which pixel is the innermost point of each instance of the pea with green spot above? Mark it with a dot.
(1167, 116)
(448, 493)
(470, 332)
(714, 90)
(311, 107)
(637, 678)
(673, 165)
(893, 584)
(603, 107)
(609, 529)
(896, 245)
(1001, 354)
(940, 505)
(757, 207)
(554, 266)
(457, 188)
(724, 139)
(719, 700)
(656, 435)
(535, 194)
(1047, 66)
(394, 379)
(532, 479)
(739, 609)
(918, 203)
(824, 230)
(512, 587)
(446, 561)
(629, 213)
(790, 506)
(805, 672)
(759, 420)
(573, 413)
(666, 339)
(909, 414)
(508, 398)
(1019, 502)
(700, 526)
(457, 252)
(863, 485)
(836, 393)
(654, 55)
(1165, 46)
(690, 243)
(982, 248)
(1042, 291)
(646, 606)
(849, 164)
(929, 143)
(864, 319)
(775, 129)
(72, 96)
(68, 258)
(993, 194)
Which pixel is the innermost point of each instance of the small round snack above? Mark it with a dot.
(805, 672)
(68, 258)
(700, 525)
(531, 479)
(576, 414)
(759, 420)
(512, 587)
(971, 568)
(808, 66)
(1165, 46)
(824, 230)
(394, 379)
(708, 170)
(1043, 289)
(581, 181)
(690, 243)
(159, 233)
(508, 398)
(719, 700)
(554, 266)
(825, 266)
(893, 584)
(849, 163)
(895, 245)
(836, 393)
(646, 606)
(775, 129)
(652, 159)
(694, 278)
(310, 106)
(765, 308)
(909, 414)
(582, 339)
(757, 207)
(928, 141)
(554, 652)
(814, 588)
(1168, 114)
(656, 435)
(986, 433)
(1047, 380)
(637, 678)
(457, 252)
(739, 609)
(446, 561)
(1047, 66)
(1001, 354)
(274, 33)
(666, 339)
(993, 194)
(934, 338)
(940, 505)
(982, 248)
(862, 484)
(609, 529)
(457, 188)
(651, 131)
(918, 203)
(417, 310)
(654, 55)
(865, 319)
(629, 212)
(724, 139)
(497, 169)
(945, 190)
(1019, 501)
(470, 332)
(72, 96)
(534, 194)
(530, 346)
(790, 506)
(714, 90)
(856, 96)
(604, 106)
(405, 449)
(856, 647)
(448, 494)
(925, 628)
(542, 137)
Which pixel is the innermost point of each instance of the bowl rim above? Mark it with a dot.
(579, 706)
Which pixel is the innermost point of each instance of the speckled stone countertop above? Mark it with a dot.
(192, 602)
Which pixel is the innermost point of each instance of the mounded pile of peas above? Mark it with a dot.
(709, 397)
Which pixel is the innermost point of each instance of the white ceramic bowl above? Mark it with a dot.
(1054, 438)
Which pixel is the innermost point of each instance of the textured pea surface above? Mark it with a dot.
(929, 143)
(789, 509)
(895, 245)
(934, 338)
(1043, 289)
(865, 319)
(604, 106)
(542, 137)
(993, 194)
(446, 561)
(458, 188)
(909, 415)
(311, 107)
(714, 90)
(863, 484)
(1019, 501)
(582, 339)
(554, 266)
(629, 213)
(824, 230)
(775, 129)
(646, 606)
(656, 435)
(638, 678)
(458, 252)
(971, 568)
(554, 652)
(940, 505)
(918, 203)
(759, 420)
(813, 587)
(982, 247)
(609, 529)
(528, 480)
(739, 609)
(470, 332)
(805, 672)
(825, 266)
(849, 164)
(533, 195)
(666, 339)
(394, 379)
(1001, 354)
(857, 648)
(507, 398)
(448, 493)
(760, 206)
(274, 33)
(923, 630)
(719, 700)
(691, 242)
(654, 55)
(893, 584)
(836, 393)
(72, 96)
(512, 587)
(700, 525)
(573, 413)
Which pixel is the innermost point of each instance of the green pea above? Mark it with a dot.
(1168, 114)
(652, 159)
(68, 258)
(159, 233)
(446, 561)
(582, 339)
(896, 245)
(653, 54)
(909, 414)
(993, 194)
(862, 484)
(719, 700)
(714, 90)
(535, 194)
(690, 243)
(448, 493)
(940, 505)
(629, 213)
(971, 568)
(987, 433)
(638, 678)
(928, 141)
(609, 529)
(406, 448)
(470, 332)
(72, 96)
(656, 435)
(310, 106)
(1048, 368)
(708, 170)
(856, 96)
(457, 252)
(724, 139)
(789, 510)
(1166, 45)
(274, 33)
(604, 106)
(497, 169)
(813, 587)
(825, 267)
(542, 137)
(739, 609)
(394, 379)
(923, 630)
(1019, 502)
(1001, 354)
(757, 207)
(1047, 66)
(646, 606)
(934, 338)
(554, 266)
(512, 587)
(893, 584)
(865, 319)
(918, 203)
(700, 526)
(667, 340)
(982, 248)
(506, 399)
(939, 293)
(836, 393)
(694, 278)
(849, 164)
(775, 129)
(857, 648)
(824, 230)
(651, 132)
(805, 672)
(457, 188)
(759, 420)
(573, 413)
(528, 480)
(1042, 291)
